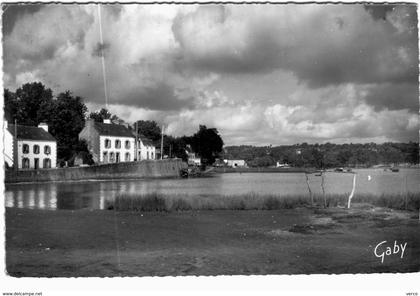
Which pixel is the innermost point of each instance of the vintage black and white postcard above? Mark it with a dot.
(210, 139)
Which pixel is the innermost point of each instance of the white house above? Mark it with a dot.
(193, 158)
(8, 145)
(145, 148)
(282, 165)
(36, 147)
(109, 142)
(235, 163)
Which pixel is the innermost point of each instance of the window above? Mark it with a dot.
(152, 157)
(105, 156)
(107, 143)
(147, 154)
(25, 162)
(36, 163)
(36, 149)
(111, 157)
(127, 156)
(127, 144)
(47, 150)
(117, 144)
(25, 148)
(117, 157)
(47, 163)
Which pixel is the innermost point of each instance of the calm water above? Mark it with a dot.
(93, 194)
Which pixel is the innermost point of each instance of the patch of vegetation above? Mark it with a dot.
(168, 203)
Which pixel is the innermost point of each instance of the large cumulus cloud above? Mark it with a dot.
(320, 44)
(261, 74)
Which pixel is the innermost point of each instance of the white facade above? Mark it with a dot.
(193, 159)
(235, 163)
(116, 149)
(33, 154)
(8, 146)
(146, 151)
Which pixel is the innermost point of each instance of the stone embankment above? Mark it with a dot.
(140, 169)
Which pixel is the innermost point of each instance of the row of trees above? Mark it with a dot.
(65, 114)
(327, 155)
(33, 103)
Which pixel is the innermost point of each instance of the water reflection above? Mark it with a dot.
(106, 193)
(94, 195)
(20, 199)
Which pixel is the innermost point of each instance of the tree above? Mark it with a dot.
(207, 143)
(10, 105)
(66, 122)
(32, 105)
(99, 116)
(262, 161)
(150, 129)
(80, 149)
(175, 147)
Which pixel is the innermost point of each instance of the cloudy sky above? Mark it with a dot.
(260, 74)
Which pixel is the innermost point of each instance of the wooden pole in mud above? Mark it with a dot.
(309, 189)
(352, 191)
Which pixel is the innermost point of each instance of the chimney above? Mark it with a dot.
(44, 126)
(107, 121)
(5, 124)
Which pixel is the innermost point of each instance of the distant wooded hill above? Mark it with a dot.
(326, 155)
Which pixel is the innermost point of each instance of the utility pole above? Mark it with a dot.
(15, 149)
(136, 149)
(161, 144)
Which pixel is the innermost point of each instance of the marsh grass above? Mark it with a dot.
(155, 202)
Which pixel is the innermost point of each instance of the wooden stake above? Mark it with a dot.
(309, 189)
(352, 191)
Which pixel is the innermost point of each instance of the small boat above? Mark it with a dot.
(184, 173)
(395, 170)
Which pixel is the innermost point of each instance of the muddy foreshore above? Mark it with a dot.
(83, 243)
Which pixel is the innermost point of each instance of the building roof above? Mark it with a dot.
(110, 129)
(25, 132)
(146, 141)
(188, 149)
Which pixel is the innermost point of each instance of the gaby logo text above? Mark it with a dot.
(381, 250)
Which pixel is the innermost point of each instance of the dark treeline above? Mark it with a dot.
(66, 114)
(327, 155)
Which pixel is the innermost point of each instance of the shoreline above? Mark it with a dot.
(215, 171)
